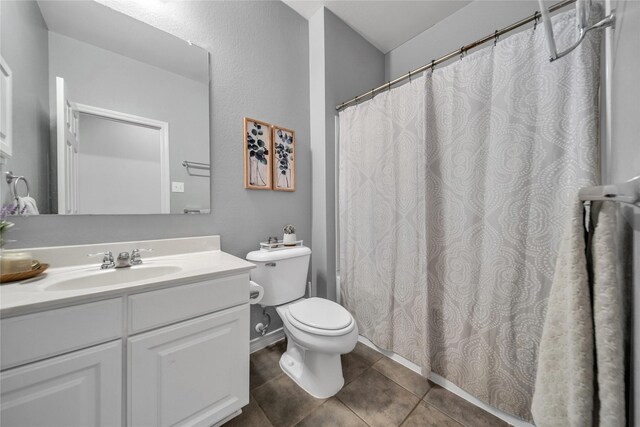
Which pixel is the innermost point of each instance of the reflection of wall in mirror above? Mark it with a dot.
(23, 43)
(100, 78)
(108, 80)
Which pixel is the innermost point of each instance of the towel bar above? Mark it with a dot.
(626, 192)
(196, 165)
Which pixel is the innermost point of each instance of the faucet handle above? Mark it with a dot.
(135, 255)
(107, 259)
(106, 254)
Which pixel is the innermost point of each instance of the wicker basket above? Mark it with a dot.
(23, 275)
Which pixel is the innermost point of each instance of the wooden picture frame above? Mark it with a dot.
(284, 158)
(257, 154)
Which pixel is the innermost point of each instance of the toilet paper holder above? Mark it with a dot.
(256, 292)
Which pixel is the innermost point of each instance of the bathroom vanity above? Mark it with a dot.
(162, 343)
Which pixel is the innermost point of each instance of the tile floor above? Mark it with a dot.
(377, 392)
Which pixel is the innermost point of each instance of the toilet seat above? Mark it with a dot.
(320, 316)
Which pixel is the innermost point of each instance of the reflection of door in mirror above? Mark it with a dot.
(67, 148)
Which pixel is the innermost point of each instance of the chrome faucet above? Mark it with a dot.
(126, 260)
(123, 260)
(136, 259)
(107, 259)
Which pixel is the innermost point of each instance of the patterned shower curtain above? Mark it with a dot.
(453, 193)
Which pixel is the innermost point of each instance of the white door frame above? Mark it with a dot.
(6, 98)
(163, 127)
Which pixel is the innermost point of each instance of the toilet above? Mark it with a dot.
(318, 330)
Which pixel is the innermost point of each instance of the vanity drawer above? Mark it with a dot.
(157, 308)
(53, 332)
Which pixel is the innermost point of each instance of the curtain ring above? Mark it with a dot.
(409, 76)
(536, 17)
(372, 93)
(461, 53)
(433, 65)
(389, 85)
(495, 38)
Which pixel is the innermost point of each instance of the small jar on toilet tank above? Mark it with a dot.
(289, 237)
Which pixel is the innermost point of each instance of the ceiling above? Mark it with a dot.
(94, 23)
(385, 24)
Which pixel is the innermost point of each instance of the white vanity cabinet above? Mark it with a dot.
(192, 373)
(79, 389)
(177, 355)
(63, 367)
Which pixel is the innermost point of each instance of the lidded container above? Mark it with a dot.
(282, 274)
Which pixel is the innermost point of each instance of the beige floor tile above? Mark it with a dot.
(426, 415)
(378, 400)
(252, 416)
(264, 365)
(352, 366)
(370, 355)
(461, 410)
(415, 383)
(332, 413)
(283, 402)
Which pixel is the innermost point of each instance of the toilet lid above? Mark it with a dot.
(321, 313)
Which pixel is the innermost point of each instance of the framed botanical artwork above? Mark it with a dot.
(284, 159)
(257, 154)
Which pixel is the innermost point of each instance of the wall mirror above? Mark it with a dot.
(109, 115)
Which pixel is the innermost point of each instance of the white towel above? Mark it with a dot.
(563, 393)
(608, 311)
(27, 206)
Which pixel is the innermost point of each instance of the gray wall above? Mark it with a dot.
(624, 160)
(343, 65)
(468, 24)
(260, 68)
(101, 78)
(23, 44)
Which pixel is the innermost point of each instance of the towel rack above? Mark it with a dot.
(15, 179)
(626, 192)
(196, 165)
(196, 211)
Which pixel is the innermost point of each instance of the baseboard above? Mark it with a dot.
(448, 385)
(265, 341)
(228, 418)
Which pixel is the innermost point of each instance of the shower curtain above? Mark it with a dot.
(453, 192)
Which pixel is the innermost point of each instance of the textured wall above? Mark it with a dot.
(468, 24)
(260, 68)
(23, 45)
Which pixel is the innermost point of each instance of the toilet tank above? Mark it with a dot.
(282, 273)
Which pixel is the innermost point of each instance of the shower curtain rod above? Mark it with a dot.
(464, 49)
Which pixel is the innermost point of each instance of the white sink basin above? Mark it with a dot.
(110, 277)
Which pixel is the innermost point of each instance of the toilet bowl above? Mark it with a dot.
(318, 332)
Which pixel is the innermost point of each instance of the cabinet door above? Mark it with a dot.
(194, 373)
(83, 389)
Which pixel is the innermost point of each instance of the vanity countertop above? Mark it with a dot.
(44, 292)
